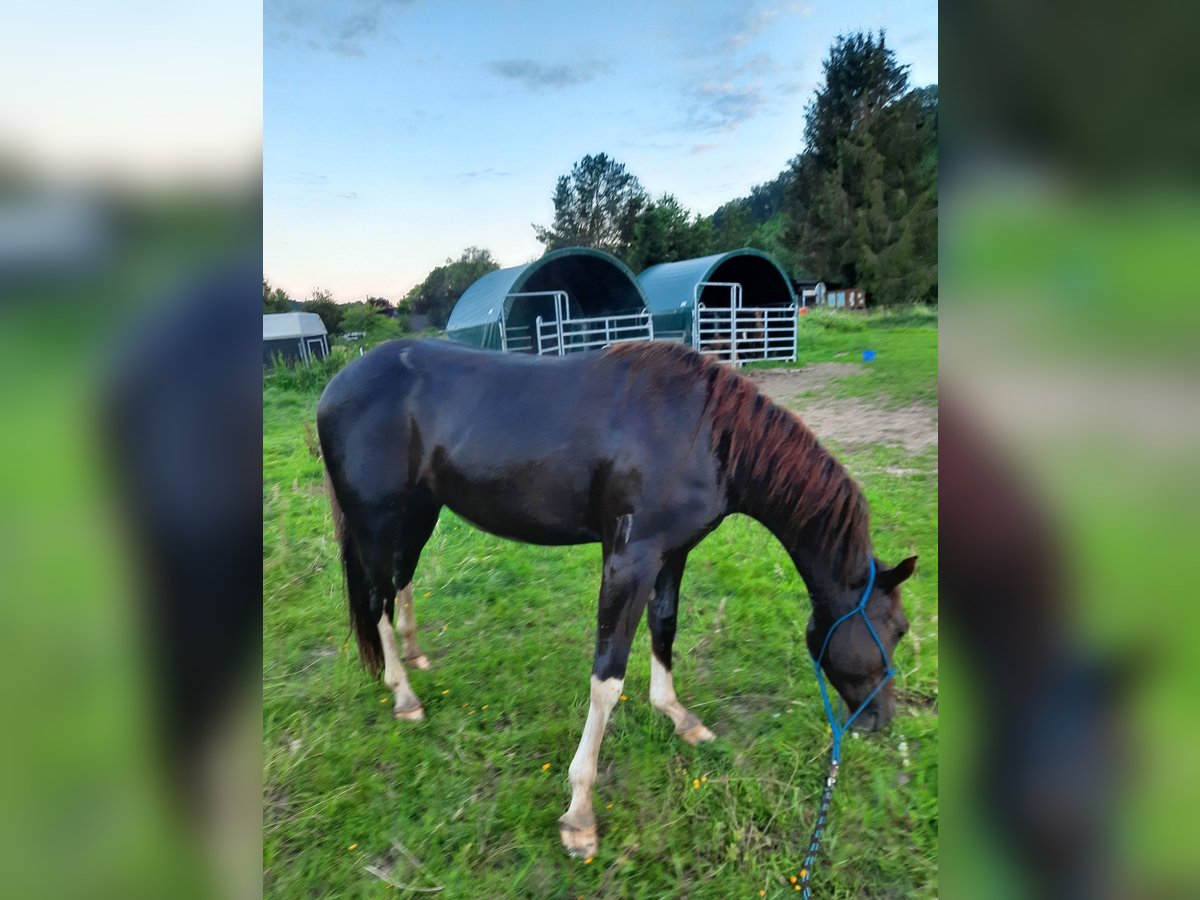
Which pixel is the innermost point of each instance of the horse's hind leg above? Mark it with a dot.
(418, 525)
(627, 584)
(376, 552)
(660, 616)
(406, 624)
(407, 705)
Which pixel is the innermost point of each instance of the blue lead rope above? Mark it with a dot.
(837, 729)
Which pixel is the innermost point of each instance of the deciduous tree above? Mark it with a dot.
(322, 303)
(596, 205)
(437, 294)
(666, 232)
(275, 300)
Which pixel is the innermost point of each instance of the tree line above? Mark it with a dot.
(857, 207)
(375, 316)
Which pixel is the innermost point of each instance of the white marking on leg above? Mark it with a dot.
(578, 824)
(662, 698)
(406, 623)
(407, 705)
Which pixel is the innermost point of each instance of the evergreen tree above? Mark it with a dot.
(862, 209)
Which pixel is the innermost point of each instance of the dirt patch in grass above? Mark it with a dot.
(855, 423)
(784, 385)
(849, 422)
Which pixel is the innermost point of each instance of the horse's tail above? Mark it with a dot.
(364, 618)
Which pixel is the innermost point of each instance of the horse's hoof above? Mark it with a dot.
(697, 734)
(420, 661)
(412, 714)
(581, 843)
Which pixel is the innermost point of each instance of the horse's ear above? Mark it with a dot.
(892, 578)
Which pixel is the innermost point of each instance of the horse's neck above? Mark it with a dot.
(816, 564)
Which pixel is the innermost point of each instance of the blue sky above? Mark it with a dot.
(398, 132)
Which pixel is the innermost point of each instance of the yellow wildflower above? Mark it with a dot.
(545, 767)
(695, 784)
(352, 847)
(588, 861)
(792, 879)
(623, 697)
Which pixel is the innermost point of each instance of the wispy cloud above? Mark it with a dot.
(347, 33)
(723, 106)
(481, 174)
(697, 149)
(754, 25)
(308, 179)
(536, 75)
(791, 88)
(759, 64)
(916, 37)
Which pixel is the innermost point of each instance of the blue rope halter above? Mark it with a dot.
(837, 729)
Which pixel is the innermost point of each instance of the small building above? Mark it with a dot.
(572, 299)
(738, 305)
(809, 291)
(848, 298)
(294, 336)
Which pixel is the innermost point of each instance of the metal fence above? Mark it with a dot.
(518, 339)
(559, 337)
(737, 335)
(563, 334)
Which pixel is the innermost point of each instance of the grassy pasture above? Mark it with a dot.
(465, 803)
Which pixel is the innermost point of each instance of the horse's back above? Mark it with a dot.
(545, 450)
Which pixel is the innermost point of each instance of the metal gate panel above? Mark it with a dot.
(747, 334)
(567, 335)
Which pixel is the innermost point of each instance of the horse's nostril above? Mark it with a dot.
(871, 721)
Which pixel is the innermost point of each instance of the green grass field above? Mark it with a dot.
(465, 803)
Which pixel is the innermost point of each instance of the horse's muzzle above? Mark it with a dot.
(876, 717)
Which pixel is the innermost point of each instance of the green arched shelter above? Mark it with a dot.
(671, 288)
(596, 284)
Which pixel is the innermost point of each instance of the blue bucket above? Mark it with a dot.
(868, 355)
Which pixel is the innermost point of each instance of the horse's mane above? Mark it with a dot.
(766, 450)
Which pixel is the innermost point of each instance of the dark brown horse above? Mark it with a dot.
(643, 448)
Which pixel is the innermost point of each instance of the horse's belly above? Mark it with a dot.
(524, 521)
(523, 503)
(531, 531)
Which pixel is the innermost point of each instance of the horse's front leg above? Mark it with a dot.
(628, 582)
(661, 617)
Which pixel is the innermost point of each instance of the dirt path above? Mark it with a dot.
(848, 422)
